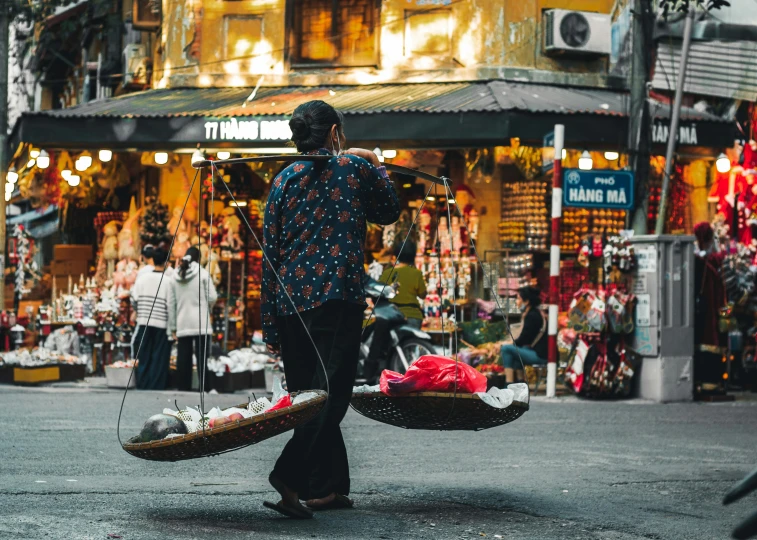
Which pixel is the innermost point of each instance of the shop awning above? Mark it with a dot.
(428, 115)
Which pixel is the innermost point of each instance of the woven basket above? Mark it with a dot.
(435, 411)
(229, 437)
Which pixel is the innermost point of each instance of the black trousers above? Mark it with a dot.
(154, 358)
(314, 462)
(200, 346)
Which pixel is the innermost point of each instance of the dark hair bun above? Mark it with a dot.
(311, 124)
(300, 129)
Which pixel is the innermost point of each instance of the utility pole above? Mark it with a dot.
(4, 46)
(639, 118)
(675, 115)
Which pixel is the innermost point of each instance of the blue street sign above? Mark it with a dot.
(598, 189)
(548, 152)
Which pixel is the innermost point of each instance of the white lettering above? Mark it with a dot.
(605, 181)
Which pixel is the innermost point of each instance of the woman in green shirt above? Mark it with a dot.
(411, 287)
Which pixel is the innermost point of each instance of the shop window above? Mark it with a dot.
(334, 32)
(428, 33)
(241, 34)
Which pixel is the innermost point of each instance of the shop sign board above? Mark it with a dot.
(548, 152)
(247, 129)
(598, 189)
(687, 133)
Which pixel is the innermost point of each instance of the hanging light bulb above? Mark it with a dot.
(74, 180)
(65, 174)
(34, 153)
(723, 164)
(611, 156)
(161, 158)
(585, 163)
(223, 155)
(86, 160)
(31, 163)
(197, 156)
(9, 188)
(379, 154)
(43, 160)
(12, 176)
(81, 165)
(391, 154)
(564, 153)
(105, 155)
(8, 196)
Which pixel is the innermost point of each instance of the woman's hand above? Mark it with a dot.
(367, 155)
(273, 349)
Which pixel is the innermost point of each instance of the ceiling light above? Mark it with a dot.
(430, 198)
(34, 153)
(74, 180)
(12, 176)
(239, 204)
(723, 164)
(105, 155)
(86, 161)
(223, 155)
(161, 158)
(31, 163)
(564, 153)
(65, 174)
(81, 165)
(611, 156)
(43, 160)
(585, 163)
(391, 154)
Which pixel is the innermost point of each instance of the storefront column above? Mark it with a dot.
(554, 262)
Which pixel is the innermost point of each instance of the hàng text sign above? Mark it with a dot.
(598, 189)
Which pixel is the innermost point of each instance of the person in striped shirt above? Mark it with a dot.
(149, 296)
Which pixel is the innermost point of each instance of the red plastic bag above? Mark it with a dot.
(286, 401)
(433, 373)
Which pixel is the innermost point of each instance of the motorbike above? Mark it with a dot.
(407, 343)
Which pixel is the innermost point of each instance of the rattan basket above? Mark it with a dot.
(435, 411)
(229, 437)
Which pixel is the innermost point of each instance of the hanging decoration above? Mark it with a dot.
(527, 159)
(22, 255)
(153, 223)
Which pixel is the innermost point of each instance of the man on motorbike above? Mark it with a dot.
(411, 287)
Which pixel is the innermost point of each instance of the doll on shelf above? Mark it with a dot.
(110, 247)
(464, 199)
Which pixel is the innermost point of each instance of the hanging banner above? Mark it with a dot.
(598, 189)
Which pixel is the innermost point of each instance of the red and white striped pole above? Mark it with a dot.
(554, 262)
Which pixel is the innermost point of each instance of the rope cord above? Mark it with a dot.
(149, 316)
(278, 278)
(480, 263)
(402, 248)
(454, 292)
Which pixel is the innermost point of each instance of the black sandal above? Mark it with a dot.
(295, 511)
(339, 502)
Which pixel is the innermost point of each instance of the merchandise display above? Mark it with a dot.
(525, 202)
(577, 223)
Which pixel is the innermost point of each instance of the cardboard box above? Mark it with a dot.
(73, 268)
(73, 252)
(36, 375)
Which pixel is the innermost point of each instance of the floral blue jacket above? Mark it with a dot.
(314, 232)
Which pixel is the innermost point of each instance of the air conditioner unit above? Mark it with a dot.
(576, 32)
(135, 64)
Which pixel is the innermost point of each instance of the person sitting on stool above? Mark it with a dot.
(531, 345)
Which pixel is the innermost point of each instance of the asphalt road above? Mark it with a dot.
(566, 470)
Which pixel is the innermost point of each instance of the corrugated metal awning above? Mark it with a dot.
(726, 69)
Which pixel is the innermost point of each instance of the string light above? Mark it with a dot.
(43, 160)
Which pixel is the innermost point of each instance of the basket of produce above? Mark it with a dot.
(189, 434)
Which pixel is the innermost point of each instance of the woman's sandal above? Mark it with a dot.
(296, 511)
(339, 502)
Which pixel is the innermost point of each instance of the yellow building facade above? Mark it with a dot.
(309, 42)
